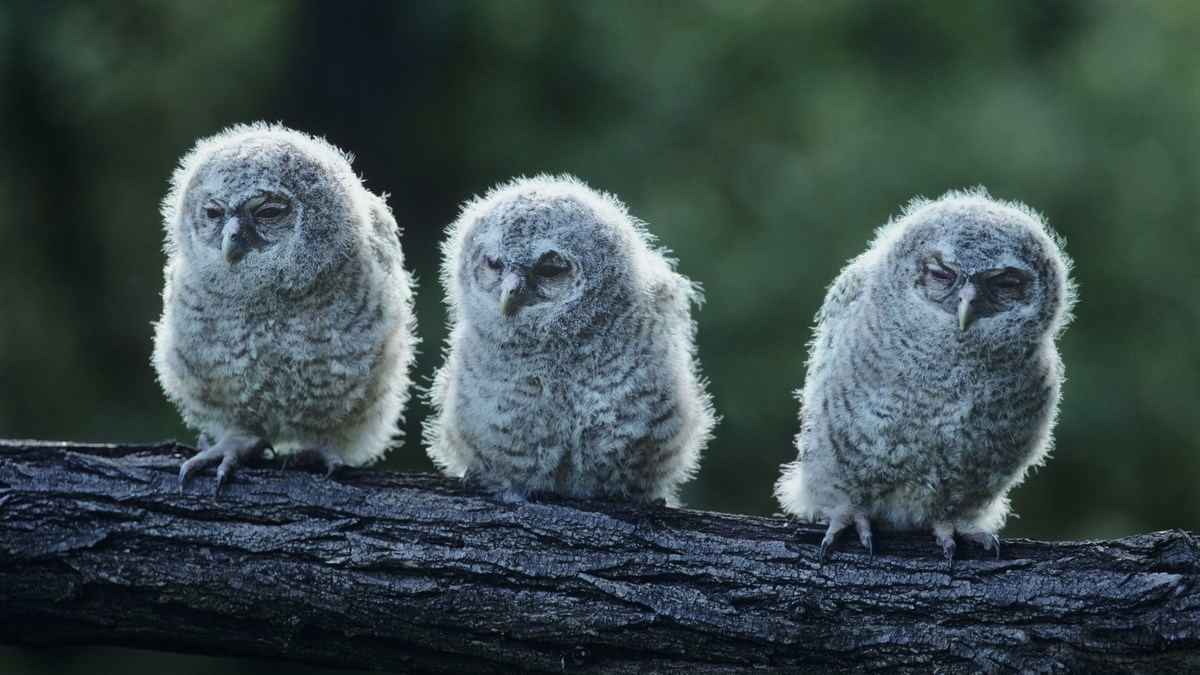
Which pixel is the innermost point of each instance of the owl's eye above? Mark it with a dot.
(271, 211)
(213, 212)
(941, 274)
(550, 271)
(495, 264)
(1006, 282)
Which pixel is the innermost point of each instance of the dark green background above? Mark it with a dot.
(762, 141)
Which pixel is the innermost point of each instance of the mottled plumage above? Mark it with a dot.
(287, 313)
(933, 378)
(571, 362)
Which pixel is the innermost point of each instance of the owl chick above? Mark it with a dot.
(571, 362)
(933, 377)
(287, 313)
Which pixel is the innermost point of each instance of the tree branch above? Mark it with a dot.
(395, 571)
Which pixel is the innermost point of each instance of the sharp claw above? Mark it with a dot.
(225, 472)
(995, 541)
(839, 523)
(228, 454)
(329, 458)
(332, 466)
(186, 470)
(863, 526)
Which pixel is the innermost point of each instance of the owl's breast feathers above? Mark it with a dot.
(281, 364)
(950, 397)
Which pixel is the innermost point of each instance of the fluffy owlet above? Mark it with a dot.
(287, 313)
(571, 361)
(933, 378)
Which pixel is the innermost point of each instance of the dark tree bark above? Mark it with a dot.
(393, 571)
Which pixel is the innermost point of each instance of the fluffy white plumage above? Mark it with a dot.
(571, 362)
(933, 378)
(287, 313)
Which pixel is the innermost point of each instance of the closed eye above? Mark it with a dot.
(1006, 282)
(549, 271)
(495, 264)
(941, 274)
(271, 211)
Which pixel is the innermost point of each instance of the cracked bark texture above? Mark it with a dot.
(410, 572)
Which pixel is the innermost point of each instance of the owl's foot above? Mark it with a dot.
(331, 460)
(841, 521)
(476, 480)
(512, 495)
(944, 533)
(229, 453)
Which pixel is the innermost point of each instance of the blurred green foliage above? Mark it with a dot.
(762, 141)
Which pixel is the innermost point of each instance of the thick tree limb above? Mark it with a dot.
(410, 572)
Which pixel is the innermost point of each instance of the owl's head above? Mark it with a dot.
(980, 267)
(543, 255)
(263, 205)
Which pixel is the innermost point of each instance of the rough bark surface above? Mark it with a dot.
(395, 571)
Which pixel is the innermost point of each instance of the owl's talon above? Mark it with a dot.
(863, 527)
(221, 477)
(229, 453)
(332, 467)
(948, 547)
(988, 540)
(836, 525)
(841, 521)
(201, 459)
(331, 459)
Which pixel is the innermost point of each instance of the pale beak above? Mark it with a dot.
(966, 297)
(232, 241)
(512, 293)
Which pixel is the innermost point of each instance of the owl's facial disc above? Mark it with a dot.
(526, 285)
(970, 297)
(252, 225)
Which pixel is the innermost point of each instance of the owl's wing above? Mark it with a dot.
(385, 234)
(846, 291)
(674, 295)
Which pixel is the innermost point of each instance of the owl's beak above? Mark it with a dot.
(512, 293)
(233, 241)
(966, 300)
